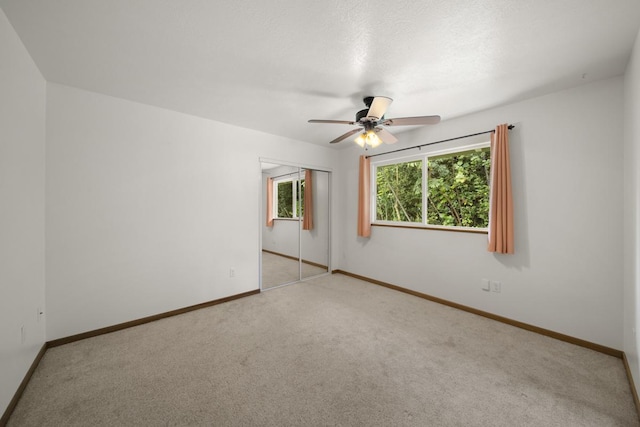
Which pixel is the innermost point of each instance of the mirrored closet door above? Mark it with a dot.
(295, 230)
(314, 238)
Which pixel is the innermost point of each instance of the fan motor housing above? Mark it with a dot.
(361, 114)
(368, 100)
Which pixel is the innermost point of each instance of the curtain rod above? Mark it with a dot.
(436, 142)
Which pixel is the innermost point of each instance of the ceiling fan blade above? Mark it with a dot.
(386, 136)
(345, 136)
(339, 122)
(379, 107)
(411, 121)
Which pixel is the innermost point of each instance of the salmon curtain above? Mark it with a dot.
(364, 197)
(501, 200)
(269, 202)
(307, 218)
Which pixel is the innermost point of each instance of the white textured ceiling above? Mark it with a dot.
(273, 65)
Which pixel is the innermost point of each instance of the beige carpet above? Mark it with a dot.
(332, 351)
(278, 270)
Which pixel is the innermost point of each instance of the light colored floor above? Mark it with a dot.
(331, 351)
(277, 270)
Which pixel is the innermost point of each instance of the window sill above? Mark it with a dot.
(435, 227)
(287, 219)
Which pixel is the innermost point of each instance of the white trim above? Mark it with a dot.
(425, 192)
(294, 164)
(401, 223)
(421, 225)
(462, 148)
(409, 157)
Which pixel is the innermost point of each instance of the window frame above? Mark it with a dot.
(297, 184)
(424, 157)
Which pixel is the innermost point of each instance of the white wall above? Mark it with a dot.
(148, 209)
(22, 154)
(566, 275)
(632, 211)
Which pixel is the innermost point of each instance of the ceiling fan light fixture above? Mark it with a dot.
(372, 139)
(368, 138)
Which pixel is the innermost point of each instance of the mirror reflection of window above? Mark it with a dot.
(289, 198)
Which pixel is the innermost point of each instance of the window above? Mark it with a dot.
(289, 198)
(449, 189)
(399, 192)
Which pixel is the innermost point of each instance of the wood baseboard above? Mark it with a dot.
(132, 323)
(631, 383)
(562, 337)
(18, 394)
(304, 261)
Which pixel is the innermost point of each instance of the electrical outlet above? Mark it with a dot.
(496, 286)
(23, 335)
(232, 272)
(486, 285)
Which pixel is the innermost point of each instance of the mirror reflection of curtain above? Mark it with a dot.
(269, 202)
(307, 220)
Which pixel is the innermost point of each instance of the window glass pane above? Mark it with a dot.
(458, 187)
(399, 192)
(285, 199)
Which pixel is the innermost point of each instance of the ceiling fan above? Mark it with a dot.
(371, 120)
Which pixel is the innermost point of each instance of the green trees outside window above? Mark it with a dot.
(458, 186)
(399, 192)
(285, 200)
(457, 190)
(289, 199)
